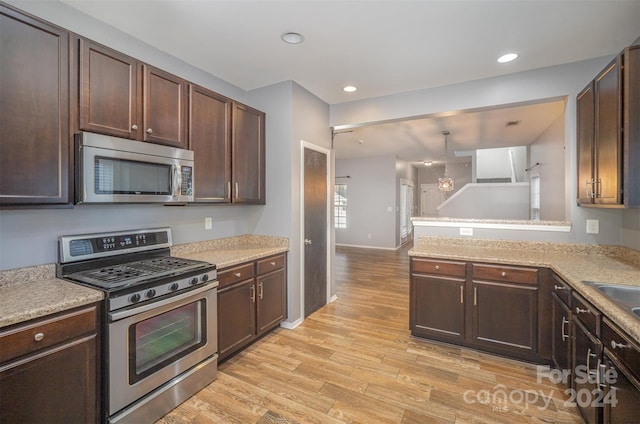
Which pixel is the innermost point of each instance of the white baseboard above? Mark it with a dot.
(366, 247)
(291, 325)
(333, 298)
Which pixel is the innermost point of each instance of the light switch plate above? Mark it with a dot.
(593, 226)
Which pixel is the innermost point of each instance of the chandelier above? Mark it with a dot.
(445, 183)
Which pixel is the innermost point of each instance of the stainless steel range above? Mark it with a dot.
(160, 321)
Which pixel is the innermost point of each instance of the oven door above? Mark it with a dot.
(151, 344)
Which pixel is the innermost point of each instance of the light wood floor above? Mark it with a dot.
(354, 361)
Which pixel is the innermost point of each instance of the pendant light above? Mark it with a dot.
(445, 183)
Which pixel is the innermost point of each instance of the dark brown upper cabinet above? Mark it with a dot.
(247, 155)
(34, 122)
(608, 145)
(210, 140)
(123, 97)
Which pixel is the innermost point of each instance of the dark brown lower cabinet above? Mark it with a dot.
(560, 334)
(484, 306)
(236, 317)
(586, 351)
(252, 299)
(445, 315)
(48, 371)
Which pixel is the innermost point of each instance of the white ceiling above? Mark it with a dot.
(382, 47)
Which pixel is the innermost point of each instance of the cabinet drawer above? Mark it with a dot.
(270, 264)
(431, 266)
(45, 333)
(584, 312)
(235, 274)
(511, 274)
(561, 289)
(618, 342)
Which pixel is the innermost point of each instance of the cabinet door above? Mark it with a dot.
(108, 91)
(210, 139)
(55, 386)
(622, 394)
(608, 147)
(34, 117)
(164, 108)
(236, 317)
(248, 166)
(585, 133)
(505, 316)
(586, 352)
(560, 330)
(437, 307)
(272, 299)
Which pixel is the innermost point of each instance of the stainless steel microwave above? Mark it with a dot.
(116, 170)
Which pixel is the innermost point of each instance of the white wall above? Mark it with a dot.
(371, 202)
(496, 163)
(405, 171)
(548, 150)
(488, 201)
(546, 83)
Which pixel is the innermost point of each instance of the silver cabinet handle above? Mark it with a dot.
(238, 274)
(615, 345)
(581, 311)
(134, 127)
(260, 290)
(564, 334)
(556, 287)
(589, 356)
(461, 293)
(253, 293)
(307, 242)
(598, 185)
(272, 263)
(588, 189)
(236, 189)
(229, 189)
(437, 267)
(475, 296)
(38, 336)
(149, 131)
(504, 274)
(603, 368)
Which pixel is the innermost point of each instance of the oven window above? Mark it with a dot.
(121, 176)
(162, 339)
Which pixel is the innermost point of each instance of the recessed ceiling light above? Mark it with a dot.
(349, 89)
(507, 57)
(292, 38)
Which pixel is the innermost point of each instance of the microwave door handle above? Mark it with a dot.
(176, 180)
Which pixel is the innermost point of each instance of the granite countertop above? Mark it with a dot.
(231, 251)
(575, 263)
(34, 292)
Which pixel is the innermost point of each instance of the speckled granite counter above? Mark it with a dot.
(575, 263)
(33, 292)
(231, 251)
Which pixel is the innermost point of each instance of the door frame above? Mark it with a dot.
(330, 190)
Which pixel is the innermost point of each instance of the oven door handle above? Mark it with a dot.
(118, 315)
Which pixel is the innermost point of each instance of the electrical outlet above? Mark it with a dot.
(208, 223)
(593, 226)
(466, 231)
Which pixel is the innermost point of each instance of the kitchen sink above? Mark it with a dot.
(627, 297)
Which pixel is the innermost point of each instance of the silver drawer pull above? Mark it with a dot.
(273, 263)
(237, 274)
(149, 131)
(615, 345)
(581, 311)
(38, 336)
(134, 127)
(504, 274)
(555, 287)
(437, 267)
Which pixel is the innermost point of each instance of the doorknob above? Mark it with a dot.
(307, 242)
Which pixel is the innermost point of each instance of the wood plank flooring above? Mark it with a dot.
(353, 361)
